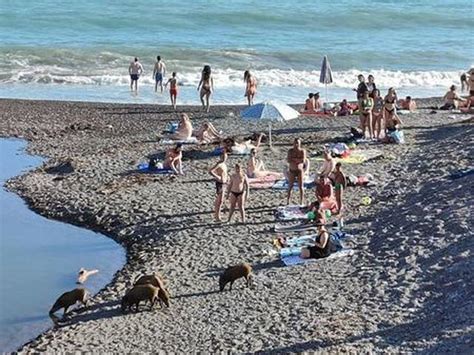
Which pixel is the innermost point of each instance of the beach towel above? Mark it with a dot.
(291, 213)
(404, 112)
(295, 227)
(337, 238)
(362, 180)
(171, 128)
(192, 140)
(264, 182)
(144, 169)
(296, 259)
(397, 137)
(283, 184)
(357, 156)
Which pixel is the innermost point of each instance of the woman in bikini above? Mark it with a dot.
(206, 87)
(377, 114)
(251, 87)
(173, 159)
(256, 168)
(207, 133)
(322, 246)
(389, 106)
(237, 192)
(367, 104)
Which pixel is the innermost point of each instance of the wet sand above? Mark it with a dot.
(405, 288)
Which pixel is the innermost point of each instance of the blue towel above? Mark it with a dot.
(143, 168)
(461, 173)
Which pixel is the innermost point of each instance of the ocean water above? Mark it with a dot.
(40, 258)
(81, 50)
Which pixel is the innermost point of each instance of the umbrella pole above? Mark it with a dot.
(327, 93)
(270, 134)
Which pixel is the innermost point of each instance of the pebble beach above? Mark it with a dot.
(407, 287)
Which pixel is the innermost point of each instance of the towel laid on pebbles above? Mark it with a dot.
(357, 156)
(283, 184)
(191, 140)
(145, 169)
(296, 259)
(291, 213)
(264, 182)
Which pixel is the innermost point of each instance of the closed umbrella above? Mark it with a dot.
(326, 74)
(269, 111)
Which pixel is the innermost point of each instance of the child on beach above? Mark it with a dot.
(173, 89)
(340, 183)
(238, 192)
(219, 173)
(173, 159)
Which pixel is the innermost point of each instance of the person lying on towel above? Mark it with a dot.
(207, 133)
(325, 194)
(256, 167)
(173, 159)
(321, 248)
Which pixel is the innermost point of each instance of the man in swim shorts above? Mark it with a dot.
(159, 72)
(296, 158)
(219, 173)
(340, 183)
(135, 70)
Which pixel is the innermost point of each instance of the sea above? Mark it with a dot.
(40, 258)
(81, 50)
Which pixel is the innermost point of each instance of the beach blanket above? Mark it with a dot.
(295, 227)
(357, 156)
(291, 213)
(337, 238)
(283, 184)
(461, 173)
(362, 180)
(296, 259)
(144, 169)
(192, 140)
(264, 182)
(404, 112)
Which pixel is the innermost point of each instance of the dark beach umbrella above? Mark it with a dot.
(326, 74)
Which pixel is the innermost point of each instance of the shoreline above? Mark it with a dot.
(141, 239)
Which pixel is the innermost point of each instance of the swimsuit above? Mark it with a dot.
(219, 187)
(389, 102)
(237, 194)
(316, 252)
(158, 77)
(338, 186)
(174, 91)
(134, 76)
(365, 105)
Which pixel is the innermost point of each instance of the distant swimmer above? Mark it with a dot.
(159, 72)
(173, 89)
(206, 87)
(135, 70)
(251, 87)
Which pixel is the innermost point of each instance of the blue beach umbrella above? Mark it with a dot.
(270, 111)
(326, 74)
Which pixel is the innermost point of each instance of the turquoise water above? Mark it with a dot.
(86, 46)
(40, 258)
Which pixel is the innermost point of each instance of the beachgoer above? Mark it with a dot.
(392, 123)
(451, 99)
(238, 192)
(325, 194)
(159, 72)
(309, 104)
(371, 87)
(251, 87)
(207, 133)
(367, 105)
(322, 246)
(377, 114)
(318, 105)
(319, 215)
(245, 147)
(464, 82)
(256, 167)
(296, 158)
(344, 109)
(329, 164)
(389, 108)
(173, 89)
(408, 104)
(467, 106)
(173, 159)
(471, 81)
(185, 129)
(206, 87)
(306, 170)
(340, 183)
(219, 172)
(135, 70)
(361, 88)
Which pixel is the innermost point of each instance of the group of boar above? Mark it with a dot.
(147, 288)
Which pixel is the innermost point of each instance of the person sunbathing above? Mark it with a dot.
(325, 194)
(173, 159)
(344, 109)
(408, 104)
(310, 103)
(237, 192)
(256, 168)
(230, 145)
(322, 246)
(451, 99)
(207, 133)
(185, 129)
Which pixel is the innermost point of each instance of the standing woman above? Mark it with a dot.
(367, 105)
(377, 114)
(371, 87)
(389, 106)
(237, 192)
(251, 87)
(207, 86)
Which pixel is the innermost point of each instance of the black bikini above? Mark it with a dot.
(237, 194)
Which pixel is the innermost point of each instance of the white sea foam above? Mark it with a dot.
(52, 74)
